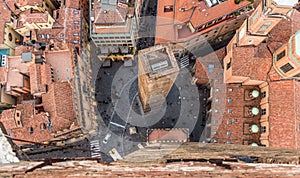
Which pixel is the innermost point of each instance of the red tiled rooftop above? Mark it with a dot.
(36, 17)
(284, 119)
(62, 63)
(200, 17)
(72, 4)
(255, 61)
(159, 135)
(236, 123)
(247, 62)
(58, 101)
(15, 68)
(200, 74)
(66, 29)
(40, 76)
(114, 17)
(28, 120)
(4, 17)
(195, 12)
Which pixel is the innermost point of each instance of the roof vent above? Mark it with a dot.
(182, 9)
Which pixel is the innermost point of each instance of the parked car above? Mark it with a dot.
(106, 138)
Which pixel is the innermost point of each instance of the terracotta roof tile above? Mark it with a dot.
(160, 135)
(72, 4)
(15, 68)
(195, 12)
(40, 76)
(116, 16)
(58, 101)
(200, 74)
(246, 62)
(233, 127)
(28, 17)
(4, 17)
(62, 63)
(284, 114)
(28, 120)
(200, 17)
(66, 29)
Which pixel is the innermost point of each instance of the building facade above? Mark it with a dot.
(260, 93)
(158, 70)
(189, 25)
(113, 29)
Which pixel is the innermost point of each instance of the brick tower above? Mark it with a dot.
(158, 70)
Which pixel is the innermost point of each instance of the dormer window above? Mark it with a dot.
(286, 68)
(264, 27)
(280, 55)
(31, 130)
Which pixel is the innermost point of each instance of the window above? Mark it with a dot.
(263, 94)
(75, 34)
(168, 8)
(213, 132)
(67, 69)
(297, 75)
(43, 126)
(213, 141)
(76, 22)
(31, 130)
(220, 18)
(228, 133)
(287, 67)
(264, 27)
(10, 37)
(75, 12)
(280, 55)
(234, 120)
(263, 111)
(18, 114)
(228, 122)
(263, 129)
(228, 142)
(253, 19)
(57, 70)
(214, 121)
(229, 111)
(228, 65)
(229, 100)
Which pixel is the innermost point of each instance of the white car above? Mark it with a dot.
(106, 138)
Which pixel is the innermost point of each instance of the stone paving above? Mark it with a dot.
(117, 97)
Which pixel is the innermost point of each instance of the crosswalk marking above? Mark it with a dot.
(95, 146)
(183, 62)
(116, 124)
